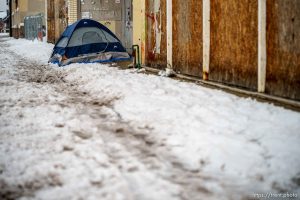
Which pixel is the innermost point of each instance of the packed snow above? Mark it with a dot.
(92, 131)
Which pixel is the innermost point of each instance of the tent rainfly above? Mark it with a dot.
(88, 41)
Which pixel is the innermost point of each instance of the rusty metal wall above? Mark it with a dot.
(156, 37)
(187, 37)
(283, 48)
(234, 41)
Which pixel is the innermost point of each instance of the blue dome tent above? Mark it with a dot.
(88, 41)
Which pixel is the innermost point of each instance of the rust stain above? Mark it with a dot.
(205, 76)
(150, 15)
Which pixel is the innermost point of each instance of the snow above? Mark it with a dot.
(4, 34)
(3, 14)
(97, 132)
(34, 50)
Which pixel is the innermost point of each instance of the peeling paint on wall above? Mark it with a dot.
(157, 26)
(156, 43)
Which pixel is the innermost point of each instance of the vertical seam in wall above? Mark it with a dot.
(262, 51)
(206, 37)
(169, 35)
(46, 19)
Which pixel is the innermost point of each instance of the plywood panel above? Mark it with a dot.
(50, 21)
(234, 41)
(187, 37)
(155, 25)
(56, 19)
(283, 48)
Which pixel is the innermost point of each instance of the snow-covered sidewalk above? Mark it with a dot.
(89, 131)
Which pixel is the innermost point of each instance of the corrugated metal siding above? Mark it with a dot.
(234, 41)
(283, 48)
(187, 37)
(72, 11)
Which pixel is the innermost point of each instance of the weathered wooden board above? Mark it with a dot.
(50, 21)
(155, 26)
(16, 33)
(234, 41)
(187, 37)
(56, 19)
(283, 48)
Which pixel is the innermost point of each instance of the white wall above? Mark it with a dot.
(3, 6)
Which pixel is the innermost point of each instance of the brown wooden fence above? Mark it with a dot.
(56, 19)
(233, 57)
(187, 37)
(283, 48)
(234, 42)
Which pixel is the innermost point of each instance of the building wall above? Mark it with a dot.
(17, 15)
(115, 15)
(72, 11)
(139, 24)
(21, 9)
(36, 7)
(3, 6)
(109, 13)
